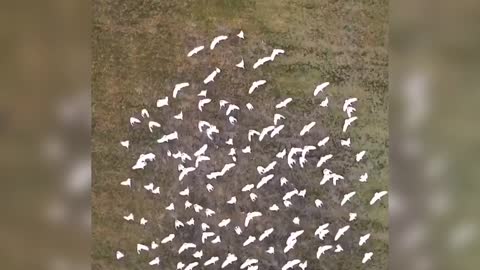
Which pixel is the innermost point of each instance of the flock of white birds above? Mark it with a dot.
(295, 157)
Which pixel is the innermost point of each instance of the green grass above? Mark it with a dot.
(139, 50)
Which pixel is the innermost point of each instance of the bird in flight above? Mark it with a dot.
(211, 77)
(377, 196)
(217, 40)
(255, 85)
(307, 128)
(320, 88)
(178, 87)
(195, 51)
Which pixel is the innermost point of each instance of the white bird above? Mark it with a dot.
(224, 222)
(119, 255)
(200, 159)
(293, 236)
(125, 144)
(170, 207)
(206, 235)
(363, 239)
(338, 249)
(145, 113)
(186, 246)
(253, 197)
(290, 158)
(248, 263)
(211, 261)
(154, 245)
(318, 203)
(324, 103)
(348, 122)
(229, 260)
(241, 35)
(255, 85)
(178, 224)
(290, 194)
(307, 128)
(232, 200)
(377, 196)
(141, 247)
(238, 230)
(350, 110)
(265, 131)
(179, 116)
(321, 229)
(190, 266)
(303, 265)
(247, 149)
(363, 177)
(352, 216)
(345, 142)
(185, 192)
(211, 77)
(341, 232)
(302, 193)
(178, 87)
(195, 51)
(197, 208)
(347, 197)
(283, 103)
(290, 264)
(262, 61)
(156, 190)
(323, 141)
(169, 137)
(198, 254)
(205, 226)
(180, 265)
(232, 120)
(162, 102)
(202, 103)
(276, 52)
(252, 132)
(281, 154)
(201, 151)
(134, 120)
(265, 234)
(359, 156)
(277, 117)
(250, 216)
(155, 261)
(296, 220)
(270, 250)
(190, 222)
(276, 131)
(274, 208)
(248, 187)
(187, 204)
(209, 187)
(283, 181)
(127, 182)
(152, 124)
(202, 93)
(143, 221)
(216, 40)
(148, 187)
(348, 102)
(264, 180)
(367, 257)
(249, 106)
(184, 173)
(249, 240)
(322, 249)
(209, 212)
(231, 108)
(324, 159)
(320, 88)
(129, 217)
(241, 64)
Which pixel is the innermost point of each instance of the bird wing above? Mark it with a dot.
(320, 88)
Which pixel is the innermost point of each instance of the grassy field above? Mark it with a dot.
(139, 52)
